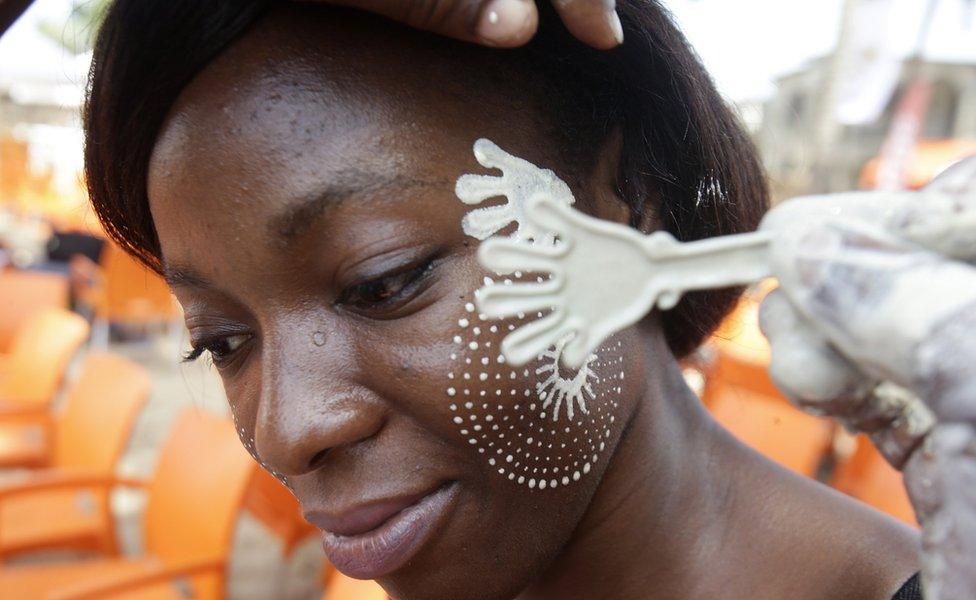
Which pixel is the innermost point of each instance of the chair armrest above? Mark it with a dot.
(59, 480)
(127, 584)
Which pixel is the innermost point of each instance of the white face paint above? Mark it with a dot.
(539, 425)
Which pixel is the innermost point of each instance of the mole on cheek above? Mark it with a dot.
(539, 425)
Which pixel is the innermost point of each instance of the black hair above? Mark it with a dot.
(685, 161)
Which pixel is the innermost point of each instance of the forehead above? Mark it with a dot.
(311, 95)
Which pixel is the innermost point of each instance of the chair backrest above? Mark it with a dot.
(23, 293)
(99, 413)
(131, 293)
(40, 355)
(867, 476)
(198, 489)
(270, 502)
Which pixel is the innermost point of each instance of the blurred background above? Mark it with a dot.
(102, 427)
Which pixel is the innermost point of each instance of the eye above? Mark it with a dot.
(221, 349)
(386, 290)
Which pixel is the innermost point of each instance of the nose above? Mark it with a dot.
(310, 403)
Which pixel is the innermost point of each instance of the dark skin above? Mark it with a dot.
(302, 190)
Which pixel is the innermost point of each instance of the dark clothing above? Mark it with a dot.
(912, 590)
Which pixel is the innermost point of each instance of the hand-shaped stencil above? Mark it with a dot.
(519, 182)
(604, 277)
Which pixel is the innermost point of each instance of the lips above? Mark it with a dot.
(377, 538)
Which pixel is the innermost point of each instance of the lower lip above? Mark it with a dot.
(391, 545)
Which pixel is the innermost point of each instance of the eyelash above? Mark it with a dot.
(405, 278)
(211, 345)
(409, 277)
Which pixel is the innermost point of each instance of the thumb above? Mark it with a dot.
(502, 23)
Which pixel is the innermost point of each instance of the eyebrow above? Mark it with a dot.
(298, 218)
(178, 276)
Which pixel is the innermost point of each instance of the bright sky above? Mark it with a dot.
(744, 43)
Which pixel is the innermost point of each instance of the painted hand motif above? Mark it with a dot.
(519, 182)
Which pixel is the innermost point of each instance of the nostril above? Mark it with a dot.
(316, 461)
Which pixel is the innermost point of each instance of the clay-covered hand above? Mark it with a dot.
(500, 23)
(869, 296)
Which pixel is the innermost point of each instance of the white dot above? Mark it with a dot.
(451, 391)
(473, 345)
(531, 483)
(553, 483)
(469, 307)
(477, 330)
(586, 468)
(565, 480)
(458, 420)
(542, 484)
(521, 479)
(468, 405)
(576, 476)
(457, 339)
(483, 376)
(463, 322)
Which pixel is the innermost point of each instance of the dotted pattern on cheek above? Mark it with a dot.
(537, 425)
(248, 442)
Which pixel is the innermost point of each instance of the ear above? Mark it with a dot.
(604, 187)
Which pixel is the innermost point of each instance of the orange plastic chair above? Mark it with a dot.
(741, 396)
(90, 430)
(40, 354)
(23, 293)
(125, 291)
(270, 502)
(194, 499)
(867, 476)
(90, 435)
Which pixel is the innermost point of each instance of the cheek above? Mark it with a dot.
(539, 426)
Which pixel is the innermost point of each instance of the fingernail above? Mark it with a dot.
(613, 20)
(504, 20)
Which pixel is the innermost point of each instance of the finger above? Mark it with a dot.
(959, 179)
(804, 366)
(594, 22)
(475, 189)
(577, 350)
(529, 341)
(501, 23)
(491, 156)
(546, 214)
(499, 301)
(505, 255)
(482, 223)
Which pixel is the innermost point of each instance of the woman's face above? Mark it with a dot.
(303, 193)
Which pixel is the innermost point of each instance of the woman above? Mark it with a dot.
(291, 169)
